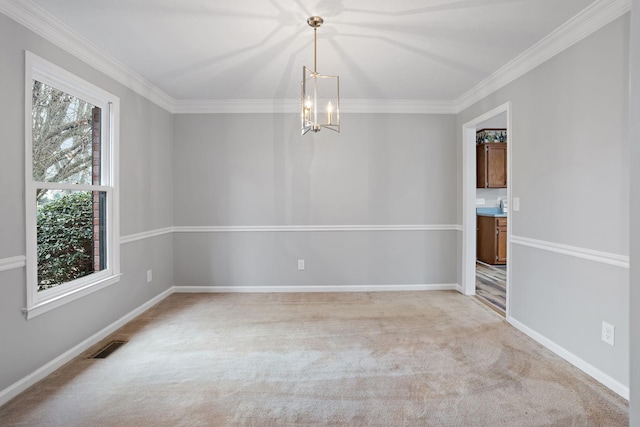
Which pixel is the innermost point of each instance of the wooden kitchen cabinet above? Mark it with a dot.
(491, 165)
(492, 239)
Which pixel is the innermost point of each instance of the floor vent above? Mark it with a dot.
(108, 349)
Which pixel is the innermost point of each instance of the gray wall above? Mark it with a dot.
(571, 172)
(146, 203)
(634, 67)
(382, 170)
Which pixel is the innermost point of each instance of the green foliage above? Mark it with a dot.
(65, 238)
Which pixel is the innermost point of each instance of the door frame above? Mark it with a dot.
(469, 200)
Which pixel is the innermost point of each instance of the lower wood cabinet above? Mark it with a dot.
(492, 239)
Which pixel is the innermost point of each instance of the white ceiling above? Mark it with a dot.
(255, 49)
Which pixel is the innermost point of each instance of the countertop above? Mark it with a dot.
(492, 212)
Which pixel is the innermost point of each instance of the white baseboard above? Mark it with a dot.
(579, 363)
(318, 288)
(18, 387)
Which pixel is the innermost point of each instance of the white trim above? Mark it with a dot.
(30, 206)
(145, 235)
(369, 106)
(283, 228)
(469, 196)
(43, 23)
(397, 106)
(37, 68)
(12, 262)
(72, 187)
(574, 251)
(47, 369)
(235, 106)
(41, 307)
(286, 228)
(589, 20)
(468, 209)
(576, 361)
(113, 207)
(585, 23)
(314, 288)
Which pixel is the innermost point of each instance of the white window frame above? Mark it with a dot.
(50, 74)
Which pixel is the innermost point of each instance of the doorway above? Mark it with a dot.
(486, 215)
(492, 212)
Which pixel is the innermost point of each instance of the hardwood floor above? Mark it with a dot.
(491, 286)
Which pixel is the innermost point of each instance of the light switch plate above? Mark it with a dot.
(480, 202)
(516, 204)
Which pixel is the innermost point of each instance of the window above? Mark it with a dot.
(71, 191)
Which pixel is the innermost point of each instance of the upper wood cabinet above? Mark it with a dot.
(491, 165)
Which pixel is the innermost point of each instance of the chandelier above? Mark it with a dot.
(320, 94)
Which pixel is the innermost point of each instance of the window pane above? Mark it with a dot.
(66, 137)
(71, 235)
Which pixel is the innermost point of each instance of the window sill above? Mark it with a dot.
(50, 304)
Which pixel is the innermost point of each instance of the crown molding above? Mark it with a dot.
(36, 19)
(397, 106)
(235, 106)
(585, 23)
(591, 19)
(370, 106)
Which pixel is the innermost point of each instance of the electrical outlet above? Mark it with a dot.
(516, 204)
(300, 264)
(149, 276)
(480, 202)
(608, 333)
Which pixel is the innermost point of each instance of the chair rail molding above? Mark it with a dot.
(313, 228)
(574, 251)
(145, 235)
(12, 263)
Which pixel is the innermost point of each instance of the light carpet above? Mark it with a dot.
(319, 359)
